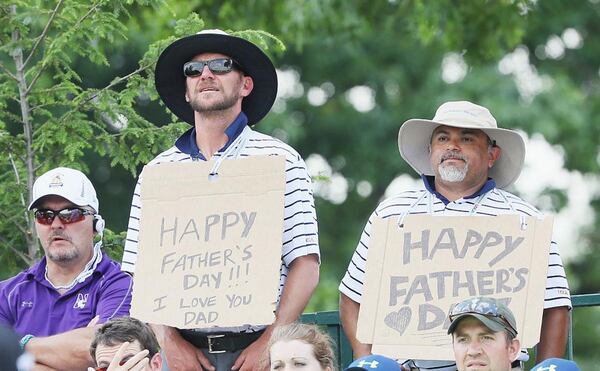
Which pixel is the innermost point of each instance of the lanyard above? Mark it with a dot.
(478, 202)
(234, 150)
(87, 271)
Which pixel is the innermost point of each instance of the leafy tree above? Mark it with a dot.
(51, 115)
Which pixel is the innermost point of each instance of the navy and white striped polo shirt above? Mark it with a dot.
(493, 203)
(300, 234)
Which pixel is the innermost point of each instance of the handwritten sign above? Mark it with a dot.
(210, 249)
(417, 273)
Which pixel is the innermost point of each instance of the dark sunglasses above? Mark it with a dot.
(218, 66)
(67, 215)
(482, 306)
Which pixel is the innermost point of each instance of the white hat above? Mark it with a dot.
(68, 183)
(415, 136)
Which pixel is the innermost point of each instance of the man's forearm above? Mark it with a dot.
(349, 318)
(302, 280)
(67, 351)
(553, 337)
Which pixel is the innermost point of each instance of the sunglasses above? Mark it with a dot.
(481, 306)
(218, 66)
(67, 215)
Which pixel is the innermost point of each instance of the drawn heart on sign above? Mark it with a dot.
(398, 320)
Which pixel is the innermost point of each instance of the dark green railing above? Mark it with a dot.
(331, 322)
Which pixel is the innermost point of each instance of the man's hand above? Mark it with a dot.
(180, 354)
(136, 363)
(253, 358)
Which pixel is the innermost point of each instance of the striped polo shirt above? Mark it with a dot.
(492, 202)
(300, 234)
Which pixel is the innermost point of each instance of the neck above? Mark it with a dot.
(210, 130)
(456, 190)
(63, 273)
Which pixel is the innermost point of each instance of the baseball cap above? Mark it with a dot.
(374, 362)
(68, 183)
(492, 313)
(556, 364)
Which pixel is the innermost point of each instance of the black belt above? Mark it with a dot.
(220, 342)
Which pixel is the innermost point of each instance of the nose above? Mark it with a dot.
(206, 73)
(474, 348)
(57, 223)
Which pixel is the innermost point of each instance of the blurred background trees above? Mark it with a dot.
(351, 74)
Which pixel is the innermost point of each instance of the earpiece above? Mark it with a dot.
(98, 223)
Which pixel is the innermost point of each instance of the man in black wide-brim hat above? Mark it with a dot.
(222, 85)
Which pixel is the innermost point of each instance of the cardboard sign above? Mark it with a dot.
(417, 273)
(210, 249)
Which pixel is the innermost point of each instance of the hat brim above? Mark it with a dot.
(170, 81)
(488, 322)
(415, 135)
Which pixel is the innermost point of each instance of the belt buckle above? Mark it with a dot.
(210, 345)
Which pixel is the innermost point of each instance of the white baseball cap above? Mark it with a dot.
(68, 183)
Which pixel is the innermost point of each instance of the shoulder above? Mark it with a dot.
(11, 282)
(263, 144)
(172, 154)
(398, 203)
(110, 271)
(517, 203)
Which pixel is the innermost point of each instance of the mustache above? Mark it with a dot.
(60, 234)
(453, 155)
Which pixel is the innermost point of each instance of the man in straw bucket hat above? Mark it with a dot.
(465, 162)
(222, 85)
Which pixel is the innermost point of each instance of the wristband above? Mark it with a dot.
(24, 340)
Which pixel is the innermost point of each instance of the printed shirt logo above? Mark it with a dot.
(56, 181)
(81, 301)
(27, 304)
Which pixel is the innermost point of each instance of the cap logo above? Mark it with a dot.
(56, 181)
(549, 368)
(371, 364)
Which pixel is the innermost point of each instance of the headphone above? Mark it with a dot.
(98, 223)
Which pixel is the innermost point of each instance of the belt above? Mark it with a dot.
(220, 342)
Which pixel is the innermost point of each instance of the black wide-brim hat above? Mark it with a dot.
(170, 81)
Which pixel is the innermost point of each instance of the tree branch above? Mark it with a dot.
(43, 34)
(114, 83)
(20, 254)
(8, 72)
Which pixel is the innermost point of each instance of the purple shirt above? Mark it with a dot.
(30, 305)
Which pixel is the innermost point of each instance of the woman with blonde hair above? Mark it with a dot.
(300, 346)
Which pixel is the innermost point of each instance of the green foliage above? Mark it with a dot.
(52, 116)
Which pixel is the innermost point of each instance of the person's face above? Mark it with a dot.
(477, 348)
(65, 243)
(294, 355)
(461, 156)
(209, 92)
(106, 353)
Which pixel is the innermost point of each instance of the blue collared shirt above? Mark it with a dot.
(429, 182)
(186, 143)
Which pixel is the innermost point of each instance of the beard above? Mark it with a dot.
(452, 173)
(227, 102)
(64, 253)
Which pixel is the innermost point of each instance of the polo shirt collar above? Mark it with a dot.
(38, 271)
(186, 143)
(429, 182)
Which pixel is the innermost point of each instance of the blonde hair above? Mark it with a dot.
(322, 344)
